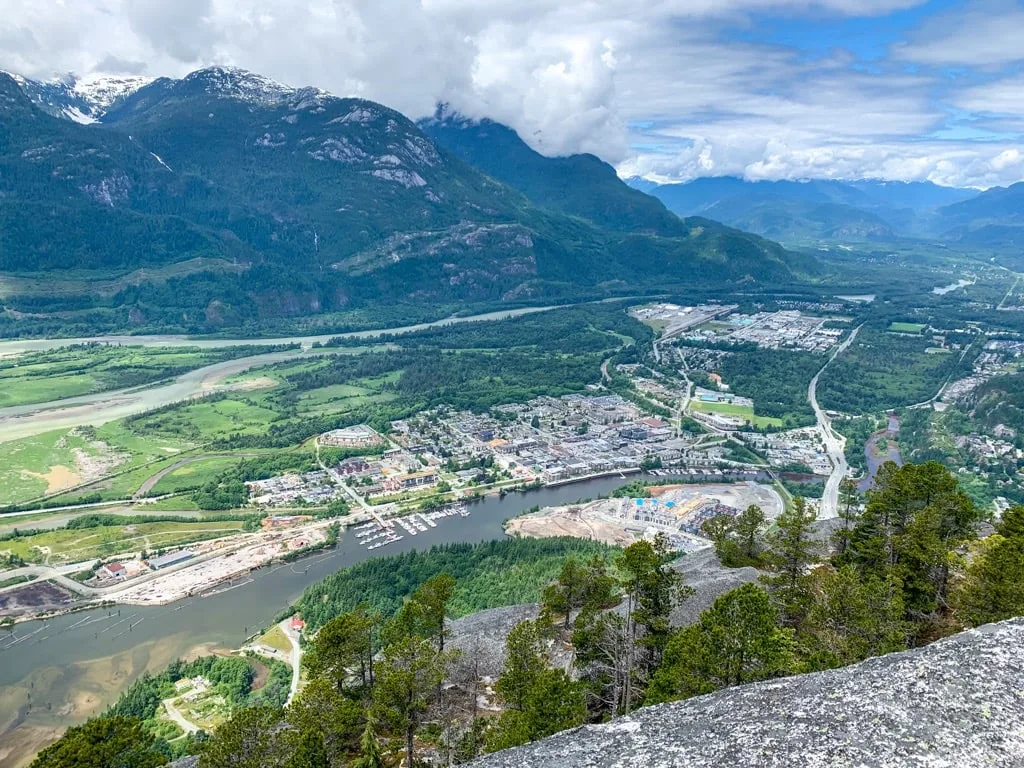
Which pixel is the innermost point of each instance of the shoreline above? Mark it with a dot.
(183, 581)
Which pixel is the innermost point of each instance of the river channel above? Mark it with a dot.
(72, 667)
(20, 421)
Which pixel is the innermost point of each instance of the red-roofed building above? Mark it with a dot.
(113, 571)
(297, 623)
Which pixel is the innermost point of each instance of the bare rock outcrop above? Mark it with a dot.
(956, 703)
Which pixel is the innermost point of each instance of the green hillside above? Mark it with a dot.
(291, 203)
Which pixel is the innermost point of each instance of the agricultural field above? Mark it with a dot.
(737, 411)
(80, 544)
(40, 377)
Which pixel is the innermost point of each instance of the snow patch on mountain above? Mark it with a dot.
(243, 85)
(80, 99)
(103, 91)
(75, 114)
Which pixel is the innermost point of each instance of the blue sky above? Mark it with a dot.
(910, 91)
(668, 89)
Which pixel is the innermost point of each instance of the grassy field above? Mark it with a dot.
(73, 545)
(34, 466)
(175, 504)
(208, 420)
(738, 411)
(342, 398)
(275, 638)
(39, 377)
(49, 463)
(907, 327)
(193, 475)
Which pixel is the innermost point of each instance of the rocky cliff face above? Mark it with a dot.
(958, 702)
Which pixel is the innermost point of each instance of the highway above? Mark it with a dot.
(834, 443)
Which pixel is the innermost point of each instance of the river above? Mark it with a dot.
(942, 290)
(72, 667)
(20, 421)
(18, 346)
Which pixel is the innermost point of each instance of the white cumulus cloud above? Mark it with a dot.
(661, 87)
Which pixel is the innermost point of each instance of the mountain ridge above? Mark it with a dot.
(815, 209)
(317, 204)
(579, 185)
(83, 100)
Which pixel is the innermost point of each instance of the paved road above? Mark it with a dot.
(293, 638)
(834, 442)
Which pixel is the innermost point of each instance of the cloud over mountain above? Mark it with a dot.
(674, 88)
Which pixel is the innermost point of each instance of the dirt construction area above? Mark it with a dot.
(675, 510)
(33, 598)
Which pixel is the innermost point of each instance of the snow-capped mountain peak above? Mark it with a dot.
(82, 99)
(241, 84)
(102, 91)
(14, 76)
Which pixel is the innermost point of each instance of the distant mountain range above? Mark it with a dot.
(795, 211)
(995, 218)
(225, 199)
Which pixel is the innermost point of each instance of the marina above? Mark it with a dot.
(380, 534)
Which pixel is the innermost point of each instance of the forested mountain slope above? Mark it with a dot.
(995, 218)
(245, 200)
(579, 185)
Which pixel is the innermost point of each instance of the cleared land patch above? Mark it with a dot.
(907, 327)
(738, 411)
(77, 544)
